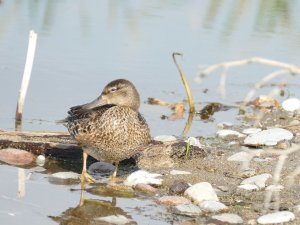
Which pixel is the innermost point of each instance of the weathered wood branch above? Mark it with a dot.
(56, 144)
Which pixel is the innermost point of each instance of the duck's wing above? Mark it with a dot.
(80, 119)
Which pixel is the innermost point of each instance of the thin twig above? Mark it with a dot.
(185, 83)
(262, 82)
(291, 68)
(26, 76)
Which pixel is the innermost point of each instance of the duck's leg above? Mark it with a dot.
(85, 177)
(114, 175)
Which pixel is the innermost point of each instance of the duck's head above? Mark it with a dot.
(121, 92)
(118, 92)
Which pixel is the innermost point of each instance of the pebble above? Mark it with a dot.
(101, 168)
(179, 172)
(194, 142)
(165, 138)
(178, 187)
(248, 187)
(16, 157)
(240, 157)
(291, 104)
(229, 218)
(249, 172)
(66, 175)
(187, 210)
(213, 206)
(143, 177)
(268, 137)
(224, 125)
(145, 188)
(267, 159)
(115, 219)
(40, 160)
(258, 180)
(200, 192)
(225, 133)
(251, 131)
(277, 217)
(173, 200)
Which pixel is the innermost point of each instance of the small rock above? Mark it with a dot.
(247, 173)
(291, 104)
(114, 219)
(40, 160)
(224, 125)
(248, 187)
(277, 217)
(15, 156)
(179, 172)
(267, 159)
(187, 210)
(173, 200)
(226, 133)
(100, 169)
(274, 187)
(229, 218)
(251, 131)
(194, 142)
(223, 188)
(178, 187)
(144, 188)
(143, 177)
(66, 175)
(165, 138)
(258, 180)
(268, 137)
(213, 206)
(240, 157)
(200, 192)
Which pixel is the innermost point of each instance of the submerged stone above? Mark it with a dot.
(15, 156)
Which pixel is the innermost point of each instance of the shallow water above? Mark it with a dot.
(83, 45)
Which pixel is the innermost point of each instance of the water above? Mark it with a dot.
(82, 45)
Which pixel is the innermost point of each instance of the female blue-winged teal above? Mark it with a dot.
(109, 128)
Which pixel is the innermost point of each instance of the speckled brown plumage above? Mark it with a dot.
(110, 128)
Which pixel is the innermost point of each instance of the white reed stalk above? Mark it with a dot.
(26, 74)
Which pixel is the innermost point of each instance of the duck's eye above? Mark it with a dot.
(113, 89)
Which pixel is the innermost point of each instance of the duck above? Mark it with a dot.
(110, 128)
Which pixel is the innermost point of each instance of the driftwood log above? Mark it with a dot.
(51, 144)
(60, 145)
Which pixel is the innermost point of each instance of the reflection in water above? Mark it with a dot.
(270, 15)
(92, 211)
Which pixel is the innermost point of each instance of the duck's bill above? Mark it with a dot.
(97, 102)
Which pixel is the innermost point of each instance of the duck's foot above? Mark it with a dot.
(85, 177)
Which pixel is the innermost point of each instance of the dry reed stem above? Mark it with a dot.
(26, 75)
(185, 83)
(283, 155)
